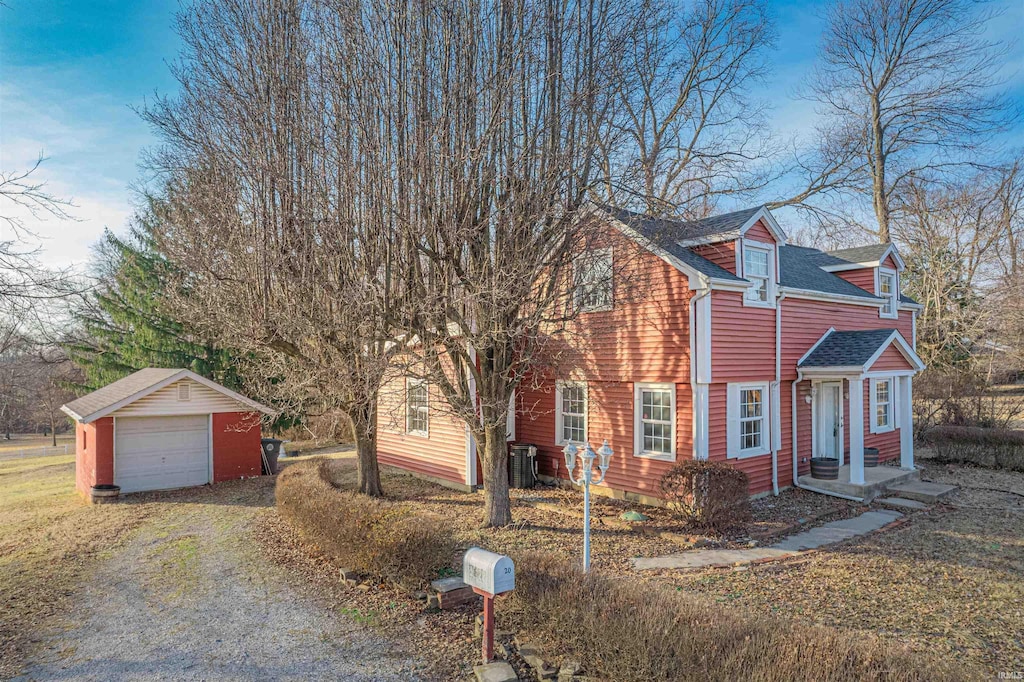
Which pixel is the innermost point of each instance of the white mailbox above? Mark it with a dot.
(489, 572)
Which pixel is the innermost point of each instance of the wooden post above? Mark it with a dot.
(488, 633)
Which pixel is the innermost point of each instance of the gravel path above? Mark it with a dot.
(187, 598)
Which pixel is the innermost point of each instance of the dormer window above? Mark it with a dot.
(889, 290)
(759, 270)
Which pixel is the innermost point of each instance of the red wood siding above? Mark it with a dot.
(94, 454)
(890, 359)
(236, 446)
(759, 232)
(722, 254)
(440, 454)
(862, 277)
(645, 338)
(889, 262)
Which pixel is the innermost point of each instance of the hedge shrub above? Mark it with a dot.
(374, 537)
(712, 495)
(992, 448)
(628, 630)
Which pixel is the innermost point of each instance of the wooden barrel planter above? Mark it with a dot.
(870, 457)
(825, 468)
(104, 493)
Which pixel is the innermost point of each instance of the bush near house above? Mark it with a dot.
(628, 630)
(992, 448)
(710, 495)
(371, 536)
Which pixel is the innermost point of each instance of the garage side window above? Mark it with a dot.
(417, 419)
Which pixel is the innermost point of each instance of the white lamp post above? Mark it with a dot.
(586, 478)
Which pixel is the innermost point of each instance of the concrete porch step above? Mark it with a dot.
(922, 491)
(901, 503)
(876, 481)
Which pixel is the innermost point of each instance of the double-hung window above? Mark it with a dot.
(654, 420)
(417, 418)
(888, 289)
(593, 281)
(759, 269)
(882, 406)
(749, 427)
(571, 412)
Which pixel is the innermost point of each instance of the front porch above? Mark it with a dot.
(876, 481)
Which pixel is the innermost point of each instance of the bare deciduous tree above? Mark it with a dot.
(910, 87)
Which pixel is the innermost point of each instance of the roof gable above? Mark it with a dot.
(869, 256)
(138, 385)
(857, 350)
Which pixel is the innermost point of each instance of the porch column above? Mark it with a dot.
(857, 431)
(906, 424)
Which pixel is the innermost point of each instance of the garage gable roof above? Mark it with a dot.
(112, 397)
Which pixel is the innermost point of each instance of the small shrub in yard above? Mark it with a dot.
(627, 630)
(992, 448)
(371, 536)
(706, 494)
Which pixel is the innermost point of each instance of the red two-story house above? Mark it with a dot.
(707, 339)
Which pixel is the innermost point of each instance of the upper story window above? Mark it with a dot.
(593, 285)
(888, 288)
(759, 270)
(417, 419)
(571, 412)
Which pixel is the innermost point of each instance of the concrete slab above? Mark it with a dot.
(922, 491)
(708, 557)
(876, 480)
(830, 533)
(838, 531)
(449, 584)
(901, 503)
(497, 671)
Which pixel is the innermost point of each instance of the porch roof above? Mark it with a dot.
(854, 352)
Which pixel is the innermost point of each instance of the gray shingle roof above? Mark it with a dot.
(666, 234)
(800, 269)
(859, 254)
(110, 394)
(685, 230)
(847, 348)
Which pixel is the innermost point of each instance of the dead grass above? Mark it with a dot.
(24, 441)
(949, 583)
(48, 538)
(635, 632)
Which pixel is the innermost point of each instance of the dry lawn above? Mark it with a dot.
(951, 582)
(49, 537)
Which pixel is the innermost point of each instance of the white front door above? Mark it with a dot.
(159, 453)
(830, 420)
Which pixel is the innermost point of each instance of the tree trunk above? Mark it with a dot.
(364, 428)
(53, 430)
(494, 458)
(879, 192)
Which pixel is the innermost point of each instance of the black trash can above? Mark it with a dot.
(521, 470)
(271, 451)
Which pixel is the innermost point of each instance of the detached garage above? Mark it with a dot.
(159, 429)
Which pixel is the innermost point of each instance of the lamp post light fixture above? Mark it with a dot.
(586, 478)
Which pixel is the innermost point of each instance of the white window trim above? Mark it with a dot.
(595, 254)
(559, 424)
(895, 295)
(638, 429)
(772, 285)
(734, 451)
(873, 404)
(411, 432)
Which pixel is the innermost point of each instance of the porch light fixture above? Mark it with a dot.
(586, 478)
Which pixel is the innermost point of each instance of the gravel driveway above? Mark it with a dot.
(189, 598)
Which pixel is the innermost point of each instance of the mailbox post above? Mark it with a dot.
(489, 574)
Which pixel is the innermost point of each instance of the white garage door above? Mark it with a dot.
(157, 453)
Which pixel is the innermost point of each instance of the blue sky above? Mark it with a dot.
(72, 70)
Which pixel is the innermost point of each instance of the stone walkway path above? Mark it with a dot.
(828, 534)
